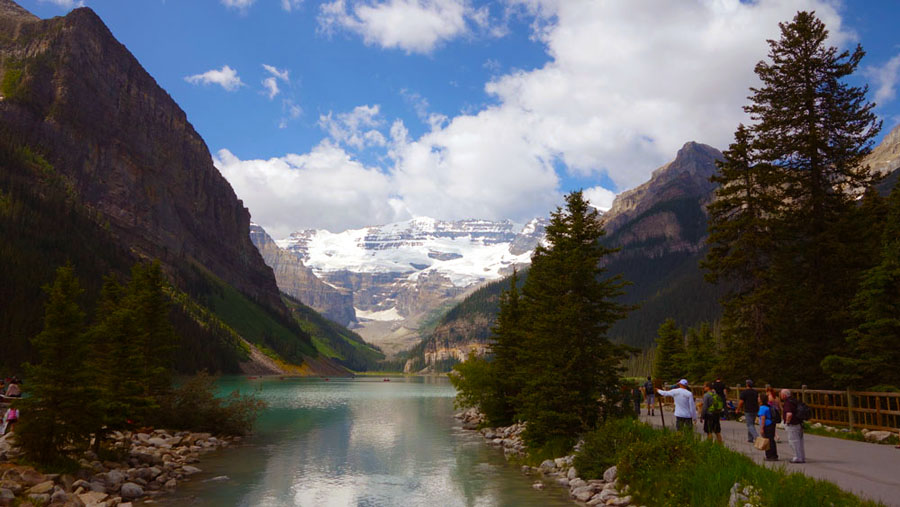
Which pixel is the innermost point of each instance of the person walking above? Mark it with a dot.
(685, 407)
(767, 426)
(793, 425)
(721, 389)
(776, 406)
(636, 398)
(749, 404)
(711, 413)
(650, 396)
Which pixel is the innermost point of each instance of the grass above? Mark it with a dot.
(669, 468)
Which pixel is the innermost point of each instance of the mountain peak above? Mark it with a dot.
(12, 11)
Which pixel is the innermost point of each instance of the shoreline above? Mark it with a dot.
(155, 463)
(557, 472)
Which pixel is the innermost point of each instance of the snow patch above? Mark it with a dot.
(383, 315)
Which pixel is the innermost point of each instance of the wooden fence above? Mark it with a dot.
(852, 409)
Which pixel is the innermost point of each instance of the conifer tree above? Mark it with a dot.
(506, 350)
(874, 345)
(55, 409)
(669, 364)
(811, 133)
(568, 305)
(701, 353)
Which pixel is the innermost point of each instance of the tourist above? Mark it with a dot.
(685, 409)
(749, 404)
(13, 391)
(711, 413)
(650, 396)
(775, 405)
(721, 389)
(793, 425)
(767, 426)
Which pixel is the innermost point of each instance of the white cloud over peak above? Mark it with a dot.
(66, 4)
(414, 26)
(885, 79)
(355, 129)
(314, 185)
(627, 84)
(599, 197)
(226, 77)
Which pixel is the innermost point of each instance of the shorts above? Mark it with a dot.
(712, 424)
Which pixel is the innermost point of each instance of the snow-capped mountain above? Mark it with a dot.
(466, 251)
(399, 272)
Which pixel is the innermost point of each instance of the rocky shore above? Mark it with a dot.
(557, 472)
(152, 463)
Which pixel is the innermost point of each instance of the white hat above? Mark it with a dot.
(683, 382)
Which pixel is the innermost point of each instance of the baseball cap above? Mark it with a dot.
(683, 382)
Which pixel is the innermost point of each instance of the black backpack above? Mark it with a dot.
(776, 414)
(803, 412)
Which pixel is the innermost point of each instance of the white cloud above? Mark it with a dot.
(290, 5)
(241, 5)
(271, 83)
(600, 197)
(290, 111)
(325, 187)
(356, 129)
(627, 84)
(415, 26)
(226, 77)
(66, 4)
(885, 79)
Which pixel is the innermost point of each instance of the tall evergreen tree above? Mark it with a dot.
(811, 133)
(506, 350)
(701, 353)
(670, 362)
(55, 410)
(874, 345)
(568, 305)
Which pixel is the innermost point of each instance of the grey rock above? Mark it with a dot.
(59, 496)
(96, 486)
(547, 465)
(577, 483)
(562, 481)
(610, 474)
(131, 490)
(572, 473)
(6, 495)
(625, 500)
(170, 484)
(39, 500)
(538, 485)
(583, 494)
(190, 470)
(114, 479)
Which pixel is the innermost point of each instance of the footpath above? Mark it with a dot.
(869, 470)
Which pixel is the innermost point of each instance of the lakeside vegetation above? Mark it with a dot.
(675, 468)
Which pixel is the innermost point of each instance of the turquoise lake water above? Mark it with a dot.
(359, 442)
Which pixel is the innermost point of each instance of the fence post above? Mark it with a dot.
(850, 408)
(878, 410)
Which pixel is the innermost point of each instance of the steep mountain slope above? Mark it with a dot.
(301, 283)
(400, 275)
(87, 131)
(885, 158)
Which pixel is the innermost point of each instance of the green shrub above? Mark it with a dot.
(194, 406)
(602, 446)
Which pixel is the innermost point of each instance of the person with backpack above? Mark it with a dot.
(749, 404)
(767, 426)
(795, 412)
(650, 396)
(636, 399)
(711, 413)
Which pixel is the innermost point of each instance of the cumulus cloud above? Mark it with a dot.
(270, 84)
(599, 197)
(290, 5)
(626, 85)
(355, 129)
(415, 26)
(885, 79)
(226, 77)
(326, 187)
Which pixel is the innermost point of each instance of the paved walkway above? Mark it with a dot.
(868, 470)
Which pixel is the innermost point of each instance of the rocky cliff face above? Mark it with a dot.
(297, 280)
(74, 94)
(885, 158)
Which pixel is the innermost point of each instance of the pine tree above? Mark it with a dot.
(810, 136)
(874, 345)
(669, 365)
(155, 339)
(568, 305)
(55, 409)
(507, 361)
(702, 355)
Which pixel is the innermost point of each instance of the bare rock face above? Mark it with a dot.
(885, 158)
(299, 281)
(76, 95)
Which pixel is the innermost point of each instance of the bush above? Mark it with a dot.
(194, 406)
(602, 446)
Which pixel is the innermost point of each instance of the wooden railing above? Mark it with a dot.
(852, 409)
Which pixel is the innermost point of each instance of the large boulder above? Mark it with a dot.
(131, 490)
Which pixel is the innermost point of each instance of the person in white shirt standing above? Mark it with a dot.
(685, 408)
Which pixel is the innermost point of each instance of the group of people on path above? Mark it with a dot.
(770, 408)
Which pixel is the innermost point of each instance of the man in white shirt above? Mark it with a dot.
(685, 408)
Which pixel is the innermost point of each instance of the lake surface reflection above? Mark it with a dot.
(359, 442)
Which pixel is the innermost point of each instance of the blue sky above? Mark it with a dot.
(344, 113)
